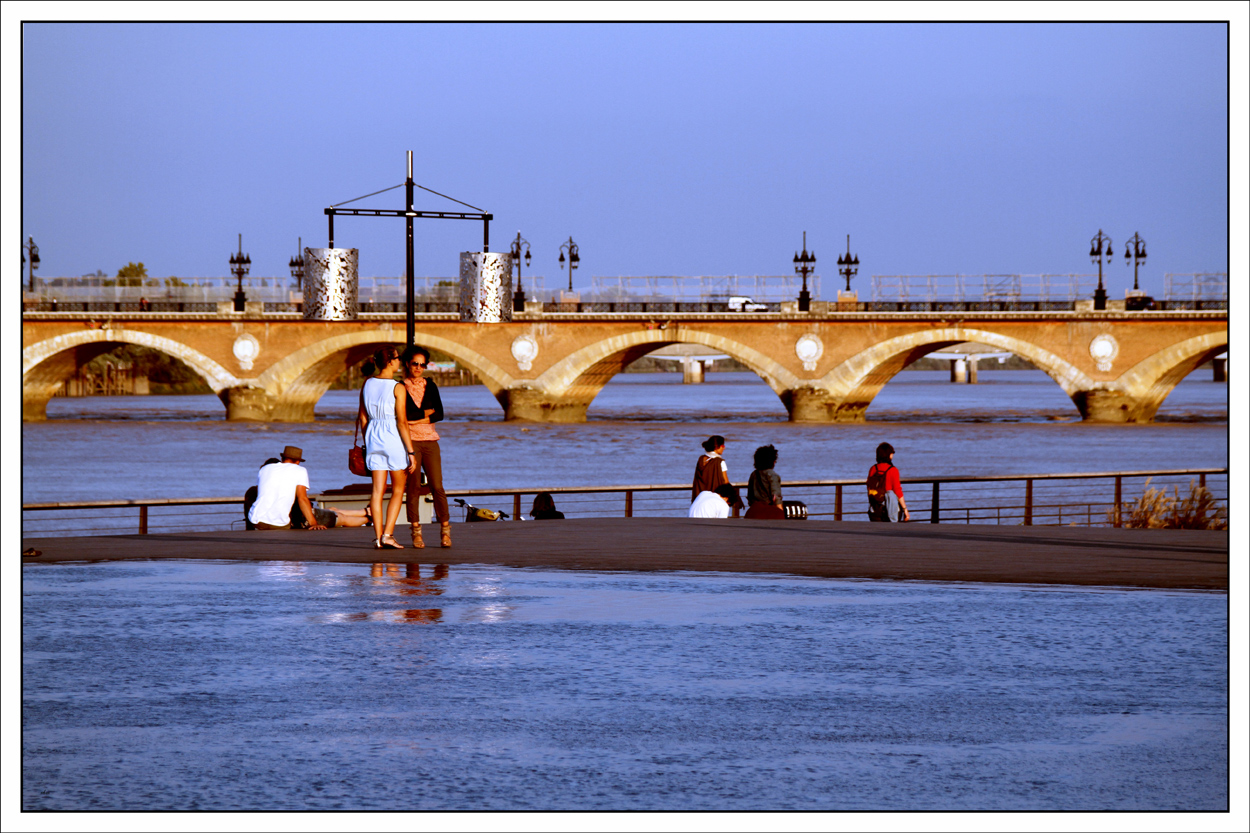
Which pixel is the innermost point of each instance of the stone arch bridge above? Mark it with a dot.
(1116, 366)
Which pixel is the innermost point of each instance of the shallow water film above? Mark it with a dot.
(289, 686)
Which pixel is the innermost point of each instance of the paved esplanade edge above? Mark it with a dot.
(1116, 366)
(1150, 558)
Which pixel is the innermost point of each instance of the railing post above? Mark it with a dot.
(629, 503)
(837, 502)
(143, 520)
(935, 512)
(1202, 481)
(1118, 484)
(516, 507)
(1028, 502)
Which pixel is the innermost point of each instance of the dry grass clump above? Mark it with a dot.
(1155, 509)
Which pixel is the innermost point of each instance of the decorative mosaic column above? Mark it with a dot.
(331, 284)
(485, 287)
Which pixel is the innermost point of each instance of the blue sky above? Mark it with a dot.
(662, 149)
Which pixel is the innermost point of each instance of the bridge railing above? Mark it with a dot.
(1073, 499)
(423, 305)
(687, 288)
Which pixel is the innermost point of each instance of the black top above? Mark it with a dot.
(554, 515)
(429, 400)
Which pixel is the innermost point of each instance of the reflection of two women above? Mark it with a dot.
(407, 581)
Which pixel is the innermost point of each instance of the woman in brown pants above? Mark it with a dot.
(425, 407)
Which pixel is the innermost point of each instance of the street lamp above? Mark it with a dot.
(803, 266)
(34, 260)
(573, 259)
(518, 297)
(848, 266)
(297, 265)
(1136, 252)
(1100, 252)
(240, 264)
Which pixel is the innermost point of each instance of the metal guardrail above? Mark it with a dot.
(1081, 499)
(652, 307)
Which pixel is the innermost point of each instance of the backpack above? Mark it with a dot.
(878, 509)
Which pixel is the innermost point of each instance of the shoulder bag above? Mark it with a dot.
(356, 455)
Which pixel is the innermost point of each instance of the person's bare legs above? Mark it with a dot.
(349, 518)
(375, 500)
(399, 479)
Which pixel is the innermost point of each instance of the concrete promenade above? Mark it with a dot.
(1148, 558)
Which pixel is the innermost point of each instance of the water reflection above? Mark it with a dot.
(402, 580)
(613, 691)
(282, 570)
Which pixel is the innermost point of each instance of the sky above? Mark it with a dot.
(659, 148)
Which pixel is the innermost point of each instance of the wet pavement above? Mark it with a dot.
(196, 685)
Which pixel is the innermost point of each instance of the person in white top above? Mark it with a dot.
(714, 504)
(278, 486)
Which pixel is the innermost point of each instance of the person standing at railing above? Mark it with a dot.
(424, 408)
(885, 488)
(387, 447)
(711, 471)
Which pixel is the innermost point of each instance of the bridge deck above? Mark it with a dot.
(1176, 559)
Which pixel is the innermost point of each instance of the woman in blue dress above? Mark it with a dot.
(384, 419)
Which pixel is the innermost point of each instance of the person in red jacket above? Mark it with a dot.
(885, 489)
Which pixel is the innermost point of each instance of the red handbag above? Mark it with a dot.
(356, 456)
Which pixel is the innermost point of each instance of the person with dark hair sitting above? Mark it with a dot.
(713, 504)
(544, 508)
(764, 487)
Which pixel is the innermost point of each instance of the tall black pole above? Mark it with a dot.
(411, 308)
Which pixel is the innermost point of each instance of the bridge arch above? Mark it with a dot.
(564, 391)
(844, 393)
(1137, 394)
(292, 386)
(47, 364)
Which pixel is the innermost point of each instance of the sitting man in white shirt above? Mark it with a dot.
(278, 486)
(713, 504)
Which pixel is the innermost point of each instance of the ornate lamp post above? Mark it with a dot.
(297, 265)
(574, 258)
(1100, 253)
(848, 266)
(518, 297)
(803, 266)
(33, 250)
(1136, 252)
(240, 265)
